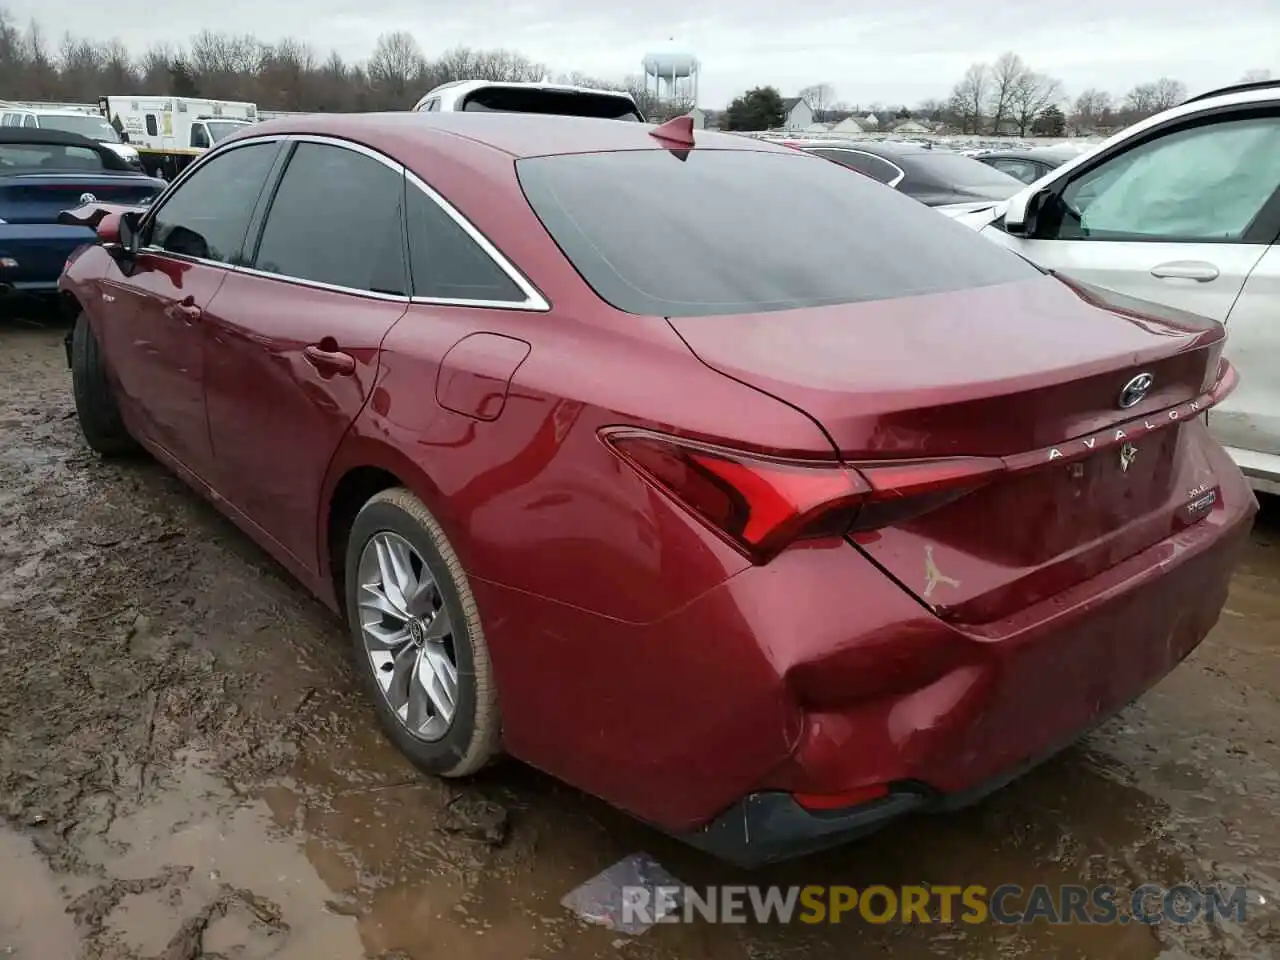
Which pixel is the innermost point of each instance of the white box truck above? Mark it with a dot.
(169, 132)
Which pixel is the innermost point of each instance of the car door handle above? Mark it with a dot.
(329, 361)
(1196, 270)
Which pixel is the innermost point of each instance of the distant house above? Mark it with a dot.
(699, 117)
(818, 128)
(870, 121)
(911, 129)
(848, 125)
(796, 113)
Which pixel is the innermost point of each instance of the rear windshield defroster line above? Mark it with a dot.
(705, 231)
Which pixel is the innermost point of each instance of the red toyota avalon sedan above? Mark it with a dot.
(718, 481)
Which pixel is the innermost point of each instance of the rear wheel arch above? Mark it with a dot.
(360, 471)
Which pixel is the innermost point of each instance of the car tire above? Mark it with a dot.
(96, 408)
(473, 735)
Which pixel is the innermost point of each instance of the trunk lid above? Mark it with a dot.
(1029, 373)
(39, 198)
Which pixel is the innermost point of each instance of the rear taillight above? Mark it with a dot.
(760, 504)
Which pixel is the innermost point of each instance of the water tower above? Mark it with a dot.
(674, 76)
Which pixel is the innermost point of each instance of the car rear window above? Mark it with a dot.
(704, 231)
(43, 157)
(569, 103)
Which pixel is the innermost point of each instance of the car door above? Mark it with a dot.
(293, 345)
(1180, 218)
(153, 332)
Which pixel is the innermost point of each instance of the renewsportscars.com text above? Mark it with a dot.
(972, 904)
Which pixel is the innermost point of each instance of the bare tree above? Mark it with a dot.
(118, 69)
(1008, 73)
(931, 109)
(1256, 76)
(969, 98)
(1092, 109)
(1168, 93)
(819, 97)
(43, 72)
(396, 63)
(1141, 100)
(1031, 95)
(154, 68)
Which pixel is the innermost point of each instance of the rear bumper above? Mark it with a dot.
(1013, 699)
(35, 254)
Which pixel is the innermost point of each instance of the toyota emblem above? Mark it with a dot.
(1135, 390)
(87, 198)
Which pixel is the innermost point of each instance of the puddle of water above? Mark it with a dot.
(258, 892)
(34, 924)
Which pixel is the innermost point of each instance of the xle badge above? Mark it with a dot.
(1128, 454)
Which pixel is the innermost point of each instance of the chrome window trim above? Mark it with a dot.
(902, 174)
(534, 301)
(195, 165)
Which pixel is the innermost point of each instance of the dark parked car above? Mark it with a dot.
(1027, 166)
(935, 177)
(42, 174)
(748, 495)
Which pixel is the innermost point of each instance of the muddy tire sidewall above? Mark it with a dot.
(95, 400)
(473, 739)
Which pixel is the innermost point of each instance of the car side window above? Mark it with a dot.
(446, 263)
(1204, 183)
(208, 214)
(336, 219)
(199, 135)
(873, 167)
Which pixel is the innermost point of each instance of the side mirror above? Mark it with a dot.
(119, 231)
(109, 228)
(1023, 209)
(127, 232)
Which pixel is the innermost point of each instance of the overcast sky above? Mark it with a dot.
(868, 50)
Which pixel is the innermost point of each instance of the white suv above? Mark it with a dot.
(479, 96)
(1181, 209)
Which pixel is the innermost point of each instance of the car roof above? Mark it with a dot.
(47, 136)
(517, 134)
(43, 136)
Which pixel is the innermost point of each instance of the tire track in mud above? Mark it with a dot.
(114, 611)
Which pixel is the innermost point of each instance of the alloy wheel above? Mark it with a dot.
(408, 636)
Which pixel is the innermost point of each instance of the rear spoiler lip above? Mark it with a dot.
(91, 214)
(1129, 431)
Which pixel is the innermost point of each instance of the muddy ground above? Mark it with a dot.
(188, 771)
